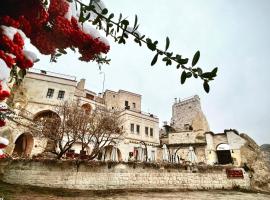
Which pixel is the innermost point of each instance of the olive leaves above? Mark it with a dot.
(121, 29)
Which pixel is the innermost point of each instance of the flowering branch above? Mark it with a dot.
(121, 30)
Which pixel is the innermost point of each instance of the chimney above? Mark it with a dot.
(81, 84)
(175, 100)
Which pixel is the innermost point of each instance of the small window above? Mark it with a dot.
(134, 105)
(146, 131)
(132, 128)
(89, 96)
(50, 93)
(153, 155)
(151, 132)
(61, 94)
(113, 96)
(186, 127)
(138, 129)
(112, 108)
(127, 107)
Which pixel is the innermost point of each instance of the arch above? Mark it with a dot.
(50, 120)
(111, 153)
(87, 108)
(46, 114)
(224, 154)
(23, 145)
(223, 147)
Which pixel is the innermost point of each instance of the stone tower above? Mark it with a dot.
(187, 115)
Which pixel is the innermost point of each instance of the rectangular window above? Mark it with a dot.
(138, 129)
(146, 131)
(132, 128)
(50, 93)
(126, 105)
(153, 155)
(61, 94)
(134, 105)
(89, 96)
(151, 132)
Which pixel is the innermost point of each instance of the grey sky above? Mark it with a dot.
(233, 35)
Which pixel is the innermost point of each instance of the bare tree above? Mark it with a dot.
(103, 129)
(62, 127)
(71, 124)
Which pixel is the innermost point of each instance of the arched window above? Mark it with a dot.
(87, 108)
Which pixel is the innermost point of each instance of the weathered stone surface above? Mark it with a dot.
(72, 175)
(188, 112)
(256, 161)
(265, 148)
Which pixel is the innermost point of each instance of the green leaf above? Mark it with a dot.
(167, 43)
(195, 58)
(104, 11)
(183, 77)
(199, 70)
(154, 60)
(150, 44)
(207, 75)
(22, 73)
(110, 16)
(125, 22)
(206, 86)
(62, 51)
(189, 74)
(214, 72)
(183, 61)
(135, 22)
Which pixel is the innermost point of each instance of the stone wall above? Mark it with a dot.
(116, 100)
(186, 137)
(102, 176)
(188, 112)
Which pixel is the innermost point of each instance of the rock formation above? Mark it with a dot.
(254, 160)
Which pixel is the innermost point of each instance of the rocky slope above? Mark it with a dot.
(265, 148)
(257, 163)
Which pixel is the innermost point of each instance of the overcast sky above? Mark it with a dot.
(233, 35)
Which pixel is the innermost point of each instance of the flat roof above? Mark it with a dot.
(52, 74)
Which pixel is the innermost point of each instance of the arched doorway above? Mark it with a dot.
(87, 108)
(49, 121)
(23, 145)
(46, 114)
(111, 153)
(224, 154)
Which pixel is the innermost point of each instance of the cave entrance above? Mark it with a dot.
(23, 145)
(224, 154)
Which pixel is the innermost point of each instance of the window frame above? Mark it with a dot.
(151, 132)
(132, 127)
(50, 93)
(62, 92)
(146, 131)
(138, 129)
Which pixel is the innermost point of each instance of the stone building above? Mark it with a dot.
(41, 91)
(142, 129)
(187, 115)
(224, 148)
(189, 129)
